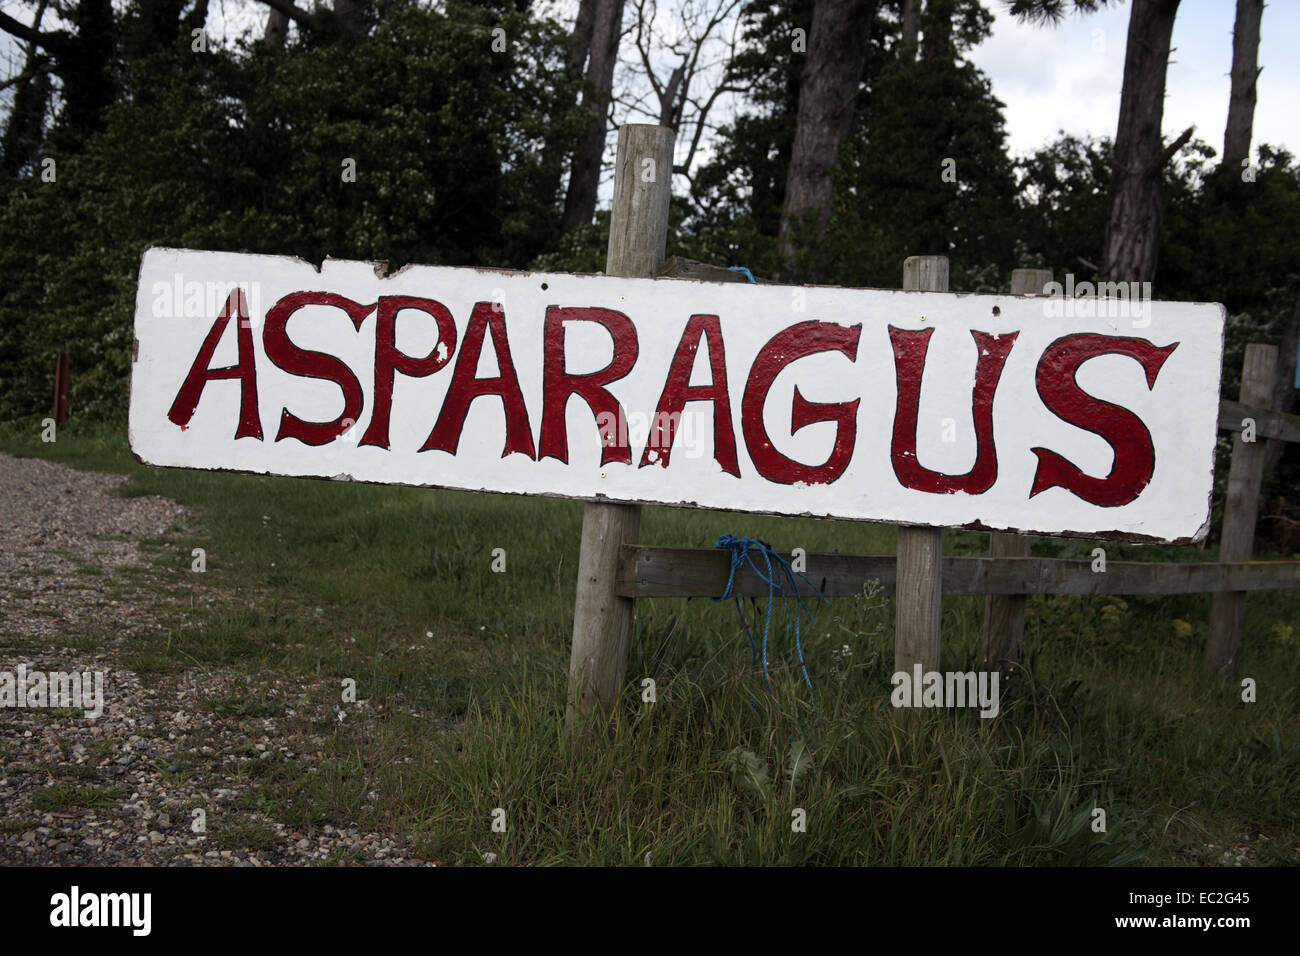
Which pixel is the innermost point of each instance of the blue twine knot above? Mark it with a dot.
(776, 574)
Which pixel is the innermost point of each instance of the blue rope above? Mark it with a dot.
(778, 575)
(743, 271)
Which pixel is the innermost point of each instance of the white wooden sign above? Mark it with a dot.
(1092, 417)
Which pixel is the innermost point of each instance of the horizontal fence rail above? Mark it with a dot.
(1268, 424)
(650, 572)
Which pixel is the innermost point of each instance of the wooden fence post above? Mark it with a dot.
(61, 389)
(1241, 508)
(602, 620)
(1004, 614)
(918, 593)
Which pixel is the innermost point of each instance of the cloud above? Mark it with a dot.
(1070, 77)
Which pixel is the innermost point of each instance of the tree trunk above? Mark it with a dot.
(1245, 71)
(82, 59)
(837, 50)
(579, 47)
(580, 42)
(584, 178)
(669, 105)
(351, 17)
(84, 64)
(25, 125)
(196, 19)
(911, 30)
(936, 34)
(25, 129)
(1132, 240)
(277, 29)
(160, 22)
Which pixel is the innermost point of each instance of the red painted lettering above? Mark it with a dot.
(389, 361)
(309, 364)
(1126, 434)
(806, 338)
(677, 392)
(465, 387)
(910, 348)
(558, 385)
(187, 399)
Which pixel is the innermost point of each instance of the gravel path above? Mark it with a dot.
(123, 789)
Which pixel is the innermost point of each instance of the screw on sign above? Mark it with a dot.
(1076, 424)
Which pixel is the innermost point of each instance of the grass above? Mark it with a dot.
(320, 581)
(61, 796)
(245, 836)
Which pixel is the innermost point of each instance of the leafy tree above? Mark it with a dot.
(245, 150)
(1061, 206)
(932, 181)
(737, 200)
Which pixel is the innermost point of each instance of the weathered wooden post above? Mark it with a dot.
(1228, 613)
(602, 620)
(918, 596)
(61, 388)
(1004, 614)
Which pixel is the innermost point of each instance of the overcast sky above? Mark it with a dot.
(1054, 79)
